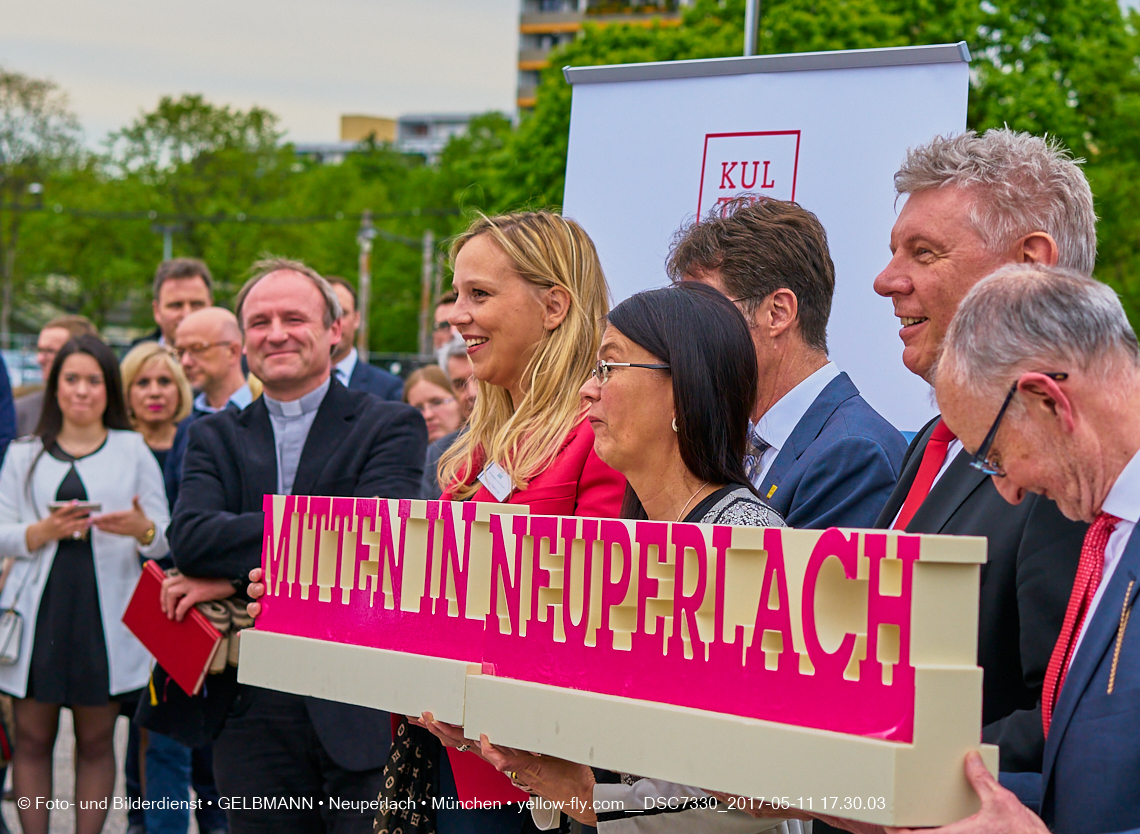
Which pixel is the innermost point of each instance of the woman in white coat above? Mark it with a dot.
(75, 569)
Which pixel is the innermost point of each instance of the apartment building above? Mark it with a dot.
(547, 24)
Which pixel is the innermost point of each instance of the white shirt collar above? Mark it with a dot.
(1123, 500)
(295, 408)
(346, 366)
(779, 421)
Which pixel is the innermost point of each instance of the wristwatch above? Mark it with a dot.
(148, 536)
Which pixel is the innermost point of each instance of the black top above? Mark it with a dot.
(734, 504)
(69, 651)
(160, 455)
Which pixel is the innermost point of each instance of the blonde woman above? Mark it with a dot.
(158, 395)
(532, 302)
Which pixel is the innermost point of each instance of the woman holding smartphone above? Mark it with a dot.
(78, 501)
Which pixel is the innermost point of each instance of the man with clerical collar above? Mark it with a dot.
(306, 435)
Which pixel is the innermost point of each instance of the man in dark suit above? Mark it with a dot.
(209, 347)
(976, 203)
(820, 455)
(349, 370)
(310, 435)
(1058, 346)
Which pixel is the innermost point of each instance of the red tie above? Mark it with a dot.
(1089, 571)
(932, 459)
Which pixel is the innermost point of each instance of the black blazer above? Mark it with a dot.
(358, 446)
(376, 381)
(1033, 552)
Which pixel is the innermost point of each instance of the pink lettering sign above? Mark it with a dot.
(794, 627)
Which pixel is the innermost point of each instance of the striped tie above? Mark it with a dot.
(1089, 572)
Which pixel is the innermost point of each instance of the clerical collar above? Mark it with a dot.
(295, 408)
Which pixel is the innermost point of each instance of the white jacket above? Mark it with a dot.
(123, 468)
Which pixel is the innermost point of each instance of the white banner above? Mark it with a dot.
(653, 145)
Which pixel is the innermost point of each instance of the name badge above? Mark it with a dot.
(497, 481)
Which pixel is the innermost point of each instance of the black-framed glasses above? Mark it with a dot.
(980, 459)
(601, 371)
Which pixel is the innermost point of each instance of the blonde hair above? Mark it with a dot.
(431, 374)
(547, 250)
(137, 359)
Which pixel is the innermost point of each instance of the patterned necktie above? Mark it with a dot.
(1089, 572)
(932, 459)
(754, 453)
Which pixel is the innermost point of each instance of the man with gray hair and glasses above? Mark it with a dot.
(973, 204)
(1039, 378)
(1058, 348)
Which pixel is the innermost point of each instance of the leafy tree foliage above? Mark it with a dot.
(38, 135)
(1068, 68)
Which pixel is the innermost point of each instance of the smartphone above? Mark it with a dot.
(90, 506)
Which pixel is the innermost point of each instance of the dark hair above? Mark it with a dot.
(758, 246)
(177, 268)
(449, 297)
(337, 281)
(706, 343)
(75, 325)
(114, 416)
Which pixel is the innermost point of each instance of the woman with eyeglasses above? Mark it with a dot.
(79, 501)
(428, 390)
(157, 393)
(669, 401)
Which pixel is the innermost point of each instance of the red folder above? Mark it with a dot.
(185, 648)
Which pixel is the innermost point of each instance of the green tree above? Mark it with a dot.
(39, 136)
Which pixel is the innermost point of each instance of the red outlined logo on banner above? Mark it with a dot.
(758, 162)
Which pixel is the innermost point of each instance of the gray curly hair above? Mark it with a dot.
(1023, 183)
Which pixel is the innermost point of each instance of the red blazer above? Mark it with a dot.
(575, 483)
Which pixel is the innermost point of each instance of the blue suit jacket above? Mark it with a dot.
(376, 381)
(839, 465)
(1091, 772)
(7, 410)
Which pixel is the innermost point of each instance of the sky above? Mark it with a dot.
(308, 61)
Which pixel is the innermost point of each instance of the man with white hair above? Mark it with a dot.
(1058, 347)
(1039, 379)
(975, 203)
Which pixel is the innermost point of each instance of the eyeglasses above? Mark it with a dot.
(198, 349)
(432, 405)
(601, 371)
(440, 326)
(980, 460)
